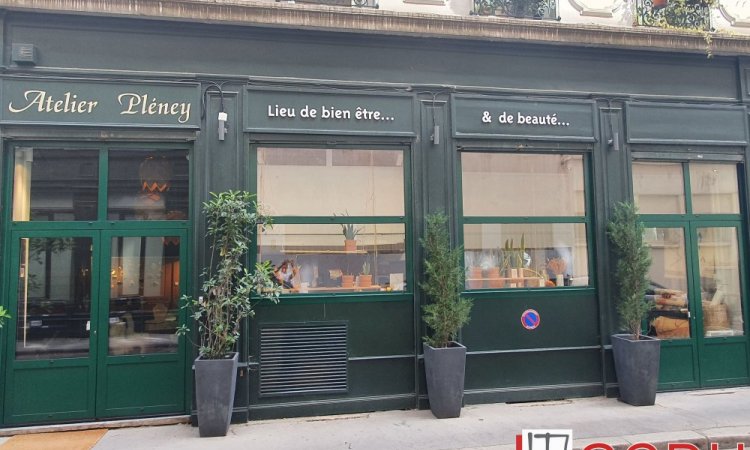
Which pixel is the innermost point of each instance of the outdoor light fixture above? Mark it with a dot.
(222, 125)
(223, 116)
(613, 140)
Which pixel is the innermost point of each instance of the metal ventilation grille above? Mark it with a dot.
(303, 359)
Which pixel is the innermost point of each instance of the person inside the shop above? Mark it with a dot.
(285, 273)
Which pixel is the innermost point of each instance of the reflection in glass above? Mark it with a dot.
(714, 188)
(502, 184)
(54, 298)
(668, 283)
(525, 256)
(144, 295)
(659, 188)
(327, 182)
(149, 185)
(721, 298)
(55, 184)
(316, 258)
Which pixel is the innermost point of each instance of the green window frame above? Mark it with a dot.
(492, 267)
(383, 238)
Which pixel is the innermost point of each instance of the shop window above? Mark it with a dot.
(714, 188)
(658, 188)
(63, 184)
(525, 220)
(55, 185)
(150, 185)
(144, 288)
(339, 222)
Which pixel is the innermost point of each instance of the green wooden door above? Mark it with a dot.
(51, 371)
(720, 306)
(697, 284)
(94, 330)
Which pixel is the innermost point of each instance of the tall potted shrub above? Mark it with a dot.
(228, 295)
(636, 355)
(447, 312)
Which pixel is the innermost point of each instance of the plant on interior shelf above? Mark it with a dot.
(473, 267)
(350, 232)
(444, 315)
(494, 262)
(516, 257)
(228, 296)
(365, 277)
(636, 355)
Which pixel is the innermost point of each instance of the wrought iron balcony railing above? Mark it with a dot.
(527, 9)
(357, 3)
(685, 14)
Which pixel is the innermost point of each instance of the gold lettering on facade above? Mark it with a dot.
(148, 106)
(46, 103)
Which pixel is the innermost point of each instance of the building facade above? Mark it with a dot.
(117, 125)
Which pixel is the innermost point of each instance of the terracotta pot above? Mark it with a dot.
(474, 279)
(659, 4)
(350, 245)
(494, 281)
(365, 281)
(347, 281)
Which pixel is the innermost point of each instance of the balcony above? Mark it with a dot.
(682, 14)
(524, 9)
(355, 3)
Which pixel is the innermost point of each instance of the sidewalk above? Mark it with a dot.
(721, 415)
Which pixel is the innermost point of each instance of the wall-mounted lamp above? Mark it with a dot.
(223, 116)
(613, 138)
(222, 125)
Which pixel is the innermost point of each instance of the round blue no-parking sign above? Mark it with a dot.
(530, 319)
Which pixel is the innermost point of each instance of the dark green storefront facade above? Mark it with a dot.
(111, 142)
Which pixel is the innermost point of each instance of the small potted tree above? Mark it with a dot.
(636, 355)
(228, 295)
(447, 312)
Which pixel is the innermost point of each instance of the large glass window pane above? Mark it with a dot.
(144, 295)
(316, 258)
(659, 188)
(670, 318)
(502, 184)
(718, 259)
(523, 255)
(54, 298)
(714, 188)
(55, 184)
(150, 185)
(326, 182)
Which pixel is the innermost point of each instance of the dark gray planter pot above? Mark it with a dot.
(637, 367)
(214, 391)
(445, 368)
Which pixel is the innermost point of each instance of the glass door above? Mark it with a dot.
(672, 318)
(141, 364)
(722, 338)
(53, 368)
(694, 230)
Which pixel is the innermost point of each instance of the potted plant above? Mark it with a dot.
(447, 312)
(636, 355)
(365, 277)
(228, 295)
(474, 275)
